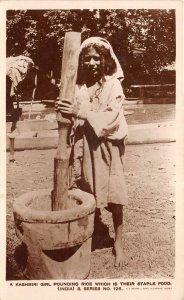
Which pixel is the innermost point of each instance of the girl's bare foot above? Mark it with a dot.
(119, 256)
(117, 215)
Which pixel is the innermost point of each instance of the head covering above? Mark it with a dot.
(103, 42)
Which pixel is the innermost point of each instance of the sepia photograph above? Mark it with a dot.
(91, 164)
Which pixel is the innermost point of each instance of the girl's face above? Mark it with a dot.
(92, 63)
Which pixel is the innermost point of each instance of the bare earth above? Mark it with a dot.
(149, 219)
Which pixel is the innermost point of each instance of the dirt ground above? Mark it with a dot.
(149, 219)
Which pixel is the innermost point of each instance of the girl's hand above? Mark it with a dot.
(66, 107)
(71, 109)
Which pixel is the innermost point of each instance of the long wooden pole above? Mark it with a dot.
(67, 88)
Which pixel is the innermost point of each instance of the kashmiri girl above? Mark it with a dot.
(99, 132)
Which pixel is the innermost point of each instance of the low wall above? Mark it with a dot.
(37, 138)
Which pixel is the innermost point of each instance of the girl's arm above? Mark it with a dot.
(111, 122)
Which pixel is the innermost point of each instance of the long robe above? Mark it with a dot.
(99, 144)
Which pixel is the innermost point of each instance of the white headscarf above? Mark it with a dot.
(103, 42)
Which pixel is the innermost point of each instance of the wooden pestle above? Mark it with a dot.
(72, 43)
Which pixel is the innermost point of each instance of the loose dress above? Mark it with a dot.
(99, 143)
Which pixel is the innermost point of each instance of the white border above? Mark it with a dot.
(19, 293)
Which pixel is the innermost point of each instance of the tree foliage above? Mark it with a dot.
(143, 39)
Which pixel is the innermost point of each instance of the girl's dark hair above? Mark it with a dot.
(107, 62)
